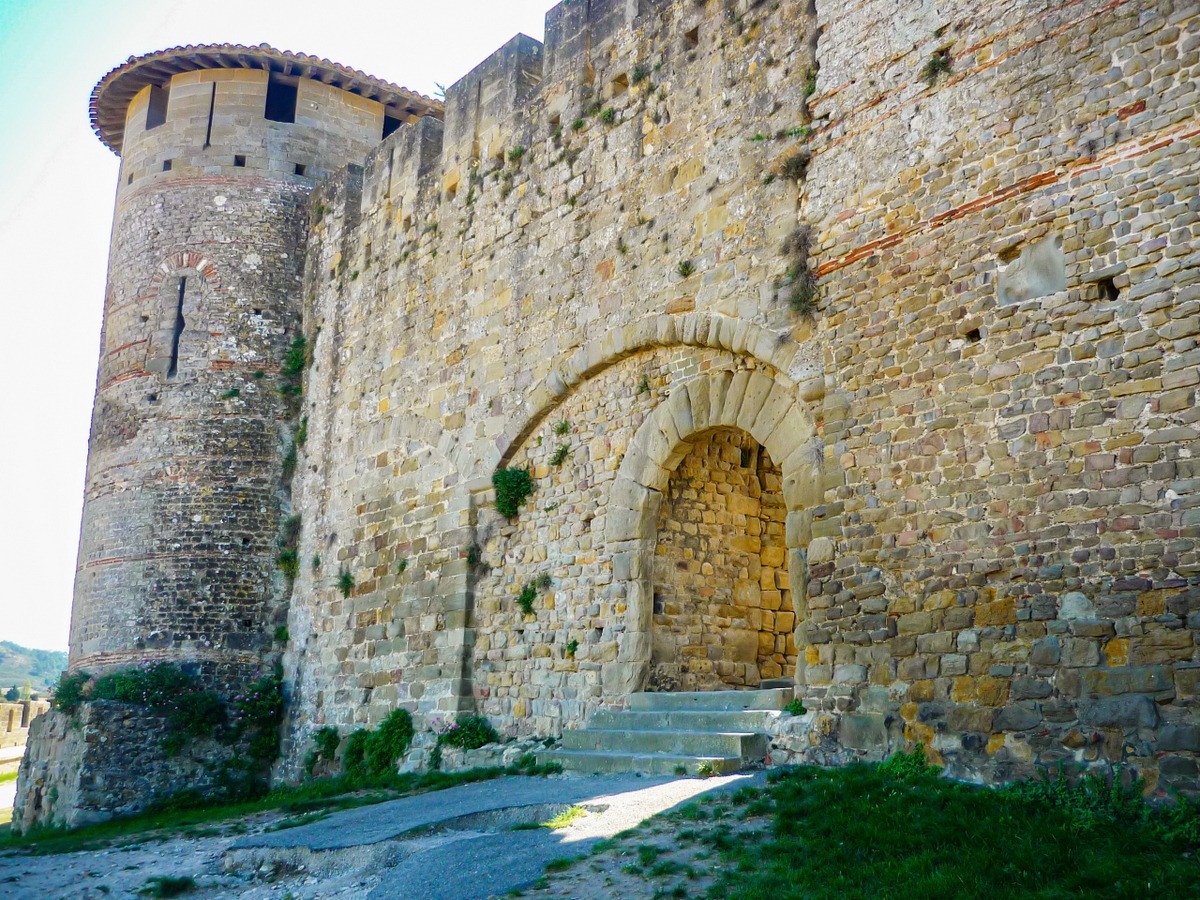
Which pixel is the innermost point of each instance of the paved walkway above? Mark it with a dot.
(465, 857)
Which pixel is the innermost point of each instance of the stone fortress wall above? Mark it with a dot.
(984, 436)
(956, 502)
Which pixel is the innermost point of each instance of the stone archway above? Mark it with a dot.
(763, 404)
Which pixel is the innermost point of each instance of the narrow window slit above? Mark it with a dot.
(178, 332)
(212, 105)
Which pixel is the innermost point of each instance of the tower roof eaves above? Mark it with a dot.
(111, 97)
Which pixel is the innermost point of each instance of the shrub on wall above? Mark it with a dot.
(374, 753)
(468, 733)
(191, 711)
(513, 487)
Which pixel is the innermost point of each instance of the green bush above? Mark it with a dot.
(469, 733)
(372, 754)
(355, 754)
(513, 487)
(908, 766)
(526, 597)
(69, 692)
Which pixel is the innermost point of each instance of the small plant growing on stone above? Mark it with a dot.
(543, 581)
(289, 564)
(758, 137)
(563, 427)
(526, 597)
(681, 770)
(560, 455)
(316, 561)
(795, 167)
(513, 487)
(474, 556)
(608, 116)
(515, 154)
(281, 634)
(572, 648)
(643, 386)
(302, 432)
(802, 293)
(401, 566)
(578, 124)
(685, 268)
(810, 82)
(231, 394)
(707, 769)
(937, 63)
(639, 74)
(345, 582)
(795, 708)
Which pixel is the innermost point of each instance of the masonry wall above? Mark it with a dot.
(989, 546)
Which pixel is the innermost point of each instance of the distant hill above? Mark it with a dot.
(41, 667)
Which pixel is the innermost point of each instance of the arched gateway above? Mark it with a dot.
(714, 408)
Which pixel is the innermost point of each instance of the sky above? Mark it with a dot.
(57, 185)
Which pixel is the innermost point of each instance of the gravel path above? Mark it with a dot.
(456, 844)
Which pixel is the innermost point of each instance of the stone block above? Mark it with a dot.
(1017, 718)
(1120, 712)
(861, 731)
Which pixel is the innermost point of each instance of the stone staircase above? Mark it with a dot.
(700, 733)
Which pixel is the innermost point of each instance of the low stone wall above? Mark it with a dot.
(15, 719)
(106, 760)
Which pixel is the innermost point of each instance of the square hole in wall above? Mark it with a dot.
(129, 180)
(301, 168)
(239, 160)
(691, 38)
(166, 165)
(1108, 290)
(620, 85)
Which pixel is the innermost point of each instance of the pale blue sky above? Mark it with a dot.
(56, 194)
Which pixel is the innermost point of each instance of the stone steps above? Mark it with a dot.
(697, 733)
(772, 698)
(753, 720)
(593, 762)
(640, 741)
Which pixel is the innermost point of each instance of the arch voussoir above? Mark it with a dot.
(757, 389)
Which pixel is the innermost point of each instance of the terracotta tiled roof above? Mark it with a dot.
(111, 97)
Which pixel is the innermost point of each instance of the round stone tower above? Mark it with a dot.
(220, 149)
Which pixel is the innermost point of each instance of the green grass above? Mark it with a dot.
(565, 818)
(867, 831)
(8, 776)
(317, 797)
